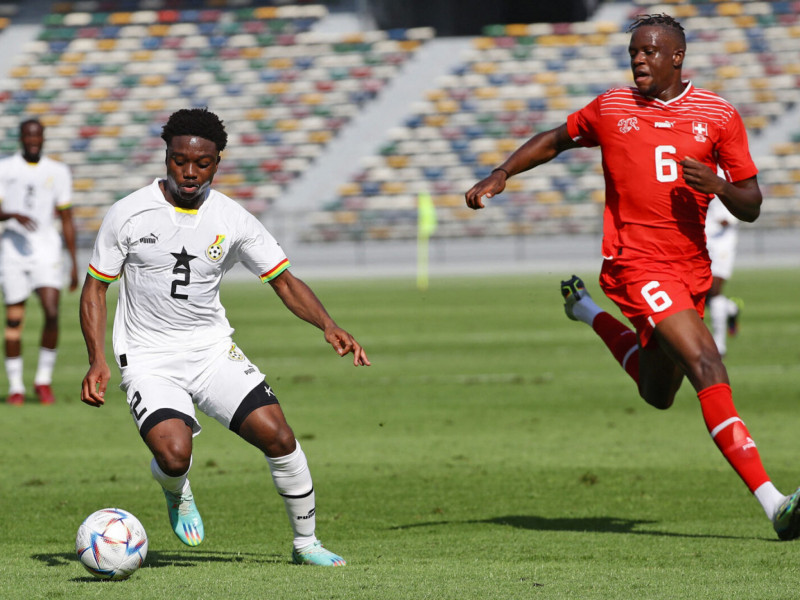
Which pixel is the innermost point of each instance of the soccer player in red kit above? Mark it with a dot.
(661, 142)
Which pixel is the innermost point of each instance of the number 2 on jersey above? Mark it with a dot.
(181, 268)
(185, 281)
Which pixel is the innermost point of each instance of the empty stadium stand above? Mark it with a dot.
(520, 79)
(104, 75)
(105, 82)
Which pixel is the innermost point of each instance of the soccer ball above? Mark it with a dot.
(111, 543)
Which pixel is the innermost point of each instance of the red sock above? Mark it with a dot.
(730, 434)
(621, 341)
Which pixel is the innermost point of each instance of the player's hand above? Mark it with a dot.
(344, 343)
(488, 187)
(73, 278)
(699, 177)
(25, 221)
(93, 389)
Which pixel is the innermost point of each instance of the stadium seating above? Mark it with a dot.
(104, 77)
(521, 79)
(105, 74)
(7, 12)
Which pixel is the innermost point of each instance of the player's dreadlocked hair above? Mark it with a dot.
(659, 20)
(196, 121)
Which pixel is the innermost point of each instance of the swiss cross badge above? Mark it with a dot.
(700, 130)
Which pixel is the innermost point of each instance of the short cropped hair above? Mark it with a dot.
(200, 122)
(31, 121)
(659, 20)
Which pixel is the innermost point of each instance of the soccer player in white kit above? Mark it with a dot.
(169, 244)
(33, 188)
(721, 237)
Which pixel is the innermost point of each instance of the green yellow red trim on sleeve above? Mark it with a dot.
(102, 276)
(275, 271)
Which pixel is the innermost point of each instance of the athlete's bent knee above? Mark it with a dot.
(173, 464)
(283, 443)
(656, 398)
(659, 402)
(173, 454)
(13, 332)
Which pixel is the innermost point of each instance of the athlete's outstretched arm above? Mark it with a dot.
(299, 299)
(541, 148)
(93, 312)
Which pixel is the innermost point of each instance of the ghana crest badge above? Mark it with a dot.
(235, 354)
(214, 251)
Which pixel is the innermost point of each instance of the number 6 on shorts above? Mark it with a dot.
(658, 300)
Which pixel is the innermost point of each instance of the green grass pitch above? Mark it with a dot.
(493, 450)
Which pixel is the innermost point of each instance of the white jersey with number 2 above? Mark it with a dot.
(170, 263)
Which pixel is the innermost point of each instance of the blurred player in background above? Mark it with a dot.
(33, 189)
(721, 237)
(660, 142)
(170, 244)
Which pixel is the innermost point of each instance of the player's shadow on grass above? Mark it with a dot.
(178, 558)
(579, 524)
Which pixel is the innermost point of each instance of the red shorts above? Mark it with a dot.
(649, 291)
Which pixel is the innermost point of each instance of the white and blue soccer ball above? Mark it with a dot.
(111, 544)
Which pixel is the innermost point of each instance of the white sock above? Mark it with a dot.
(718, 311)
(733, 308)
(44, 370)
(293, 481)
(586, 310)
(176, 485)
(770, 498)
(14, 373)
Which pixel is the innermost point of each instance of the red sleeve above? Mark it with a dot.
(581, 124)
(733, 152)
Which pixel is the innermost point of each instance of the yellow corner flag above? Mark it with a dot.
(426, 227)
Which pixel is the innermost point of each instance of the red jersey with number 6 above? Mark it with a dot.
(650, 212)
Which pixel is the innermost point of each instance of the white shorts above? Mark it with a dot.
(28, 265)
(722, 250)
(221, 381)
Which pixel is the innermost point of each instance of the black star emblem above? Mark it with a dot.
(182, 259)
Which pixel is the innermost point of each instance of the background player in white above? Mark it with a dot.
(721, 237)
(33, 188)
(170, 243)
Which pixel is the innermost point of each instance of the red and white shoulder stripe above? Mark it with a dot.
(702, 103)
(694, 103)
